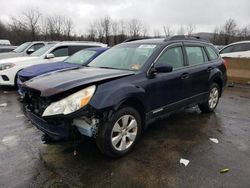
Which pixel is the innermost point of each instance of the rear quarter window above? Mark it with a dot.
(211, 53)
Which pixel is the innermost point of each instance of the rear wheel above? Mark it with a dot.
(213, 98)
(118, 137)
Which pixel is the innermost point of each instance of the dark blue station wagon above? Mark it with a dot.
(125, 89)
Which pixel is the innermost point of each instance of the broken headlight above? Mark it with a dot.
(71, 103)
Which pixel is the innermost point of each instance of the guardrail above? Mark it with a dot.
(238, 70)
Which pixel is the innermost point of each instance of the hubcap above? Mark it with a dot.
(124, 132)
(213, 98)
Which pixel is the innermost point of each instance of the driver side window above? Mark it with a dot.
(173, 57)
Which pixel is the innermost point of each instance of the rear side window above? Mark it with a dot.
(173, 57)
(211, 53)
(74, 49)
(61, 51)
(194, 55)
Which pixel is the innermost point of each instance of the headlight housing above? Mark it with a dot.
(6, 66)
(71, 103)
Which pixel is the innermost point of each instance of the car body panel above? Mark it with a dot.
(55, 83)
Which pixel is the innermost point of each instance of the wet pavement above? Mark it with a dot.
(26, 162)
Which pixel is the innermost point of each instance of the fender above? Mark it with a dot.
(116, 95)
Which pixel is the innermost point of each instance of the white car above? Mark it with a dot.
(236, 50)
(49, 53)
(24, 49)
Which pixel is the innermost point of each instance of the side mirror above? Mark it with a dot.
(30, 51)
(49, 56)
(162, 68)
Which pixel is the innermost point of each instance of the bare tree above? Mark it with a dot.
(31, 20)
(134, 28)
(167, 30)
(115, 29)
(181, 30)
(106, 25)
(156, 33)
(230, 29)
(91, 32)
(68, 27)
(190, 29)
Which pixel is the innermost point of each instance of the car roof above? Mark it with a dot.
(97, 49)
(172, 39)
(240, 42)
(79, 43)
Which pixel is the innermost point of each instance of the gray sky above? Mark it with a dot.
(204, 14)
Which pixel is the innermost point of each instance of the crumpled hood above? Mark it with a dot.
(37, 70)
(58, 82)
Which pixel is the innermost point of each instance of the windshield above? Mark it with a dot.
(80, 57)
(42, 50)
(22, 47)
(126, 57)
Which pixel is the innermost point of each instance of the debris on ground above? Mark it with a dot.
(184, 161)
(230, 84)
(3, 105)
(21, 115)
(5, 92)
(75, 152)
(224, 170)
(214, 140)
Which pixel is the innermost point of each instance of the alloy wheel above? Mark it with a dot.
(124, 132)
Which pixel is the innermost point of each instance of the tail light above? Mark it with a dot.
(225, 63)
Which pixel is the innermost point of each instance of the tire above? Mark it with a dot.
(213, 98)
(124, 128)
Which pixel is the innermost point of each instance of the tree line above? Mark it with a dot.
(31, 25)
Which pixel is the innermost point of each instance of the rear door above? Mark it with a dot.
(198, 67)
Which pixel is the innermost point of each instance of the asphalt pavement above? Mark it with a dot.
(25, 161)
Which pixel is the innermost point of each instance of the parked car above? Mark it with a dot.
(125, 89)
(7, 48)
(236, 49)
(4, 42)
(50, 53)
(24, 49)
(79, 59)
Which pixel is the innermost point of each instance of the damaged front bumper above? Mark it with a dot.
(64, 128)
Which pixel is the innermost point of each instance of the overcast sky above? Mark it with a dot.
(204, 14)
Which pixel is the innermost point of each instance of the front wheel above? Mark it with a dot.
(213, 98)
(118, 137)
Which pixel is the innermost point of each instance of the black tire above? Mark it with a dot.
(103, 139)
(206, 107)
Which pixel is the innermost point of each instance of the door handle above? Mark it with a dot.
(184, 76)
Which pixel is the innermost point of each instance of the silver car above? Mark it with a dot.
(24, 49)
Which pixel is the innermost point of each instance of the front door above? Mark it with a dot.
(167, 90)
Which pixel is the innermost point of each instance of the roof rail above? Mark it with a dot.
(187, 37)
(135, 38)
(81, 41)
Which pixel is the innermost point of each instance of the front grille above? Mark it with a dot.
(36, 103)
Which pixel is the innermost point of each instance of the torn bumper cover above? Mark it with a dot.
(63, 128)
(58, 130)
